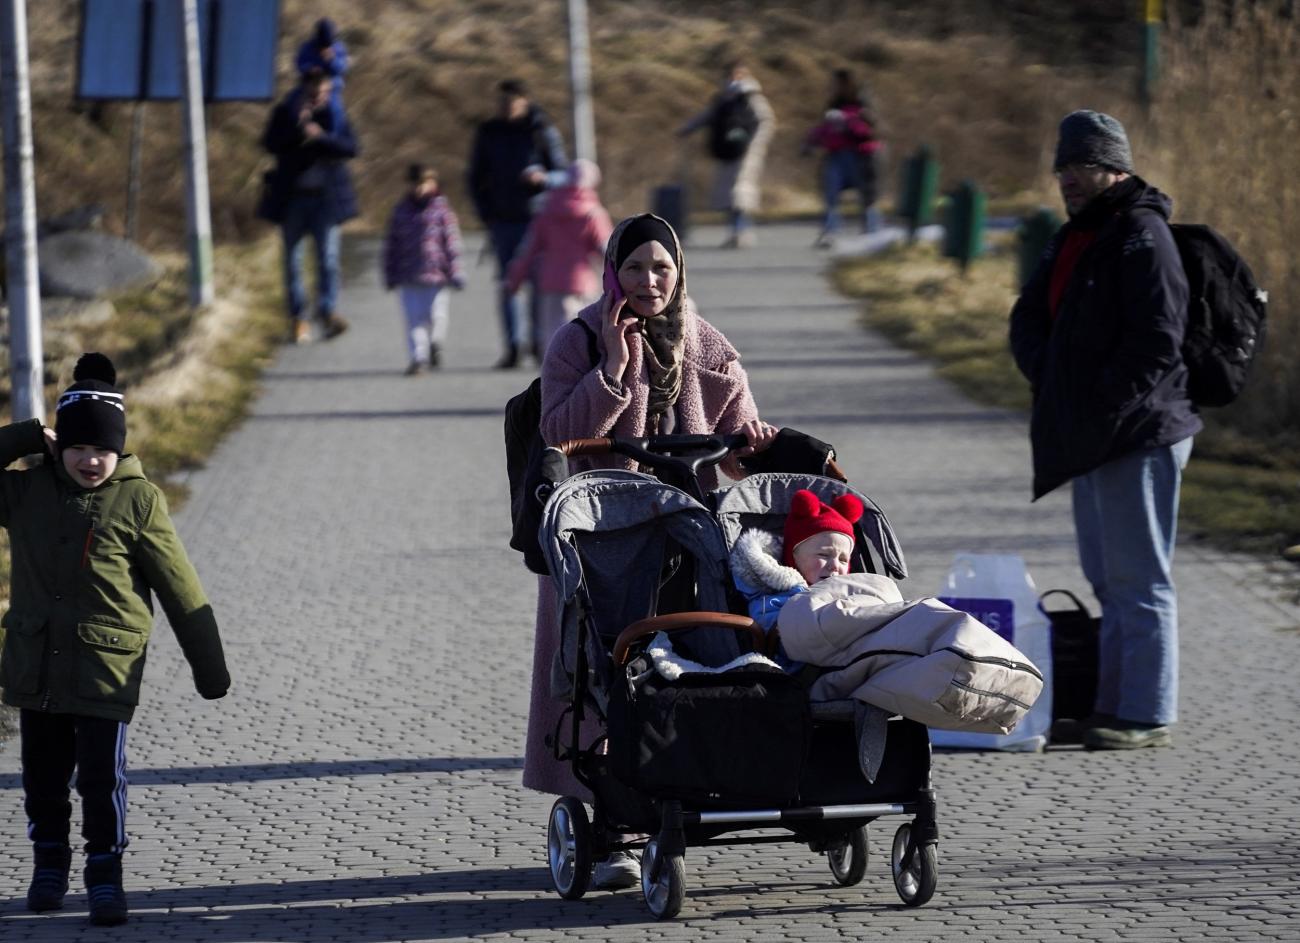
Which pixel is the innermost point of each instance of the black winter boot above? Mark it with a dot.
(104, 888)
(49, 877)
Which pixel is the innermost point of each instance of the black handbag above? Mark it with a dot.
(1075, 634)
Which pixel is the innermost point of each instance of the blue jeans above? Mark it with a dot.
(842, 170)
(1125, 517)
(308, 215)
(506, 238)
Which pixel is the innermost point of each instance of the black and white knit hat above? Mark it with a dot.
(92, 410)
(1090, 137)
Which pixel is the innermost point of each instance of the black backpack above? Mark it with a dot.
(1225, 315)
(734, 126)
(524, 450)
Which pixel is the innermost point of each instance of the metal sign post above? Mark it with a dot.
(584, 121)
(198, 213)
(26, 368)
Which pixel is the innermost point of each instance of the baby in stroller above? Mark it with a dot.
(817, 543)
(856, 636)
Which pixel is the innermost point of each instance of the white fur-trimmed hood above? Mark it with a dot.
(756, 559)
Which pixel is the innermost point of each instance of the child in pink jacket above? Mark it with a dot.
(566, 235)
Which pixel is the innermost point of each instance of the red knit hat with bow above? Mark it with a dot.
(809, 516)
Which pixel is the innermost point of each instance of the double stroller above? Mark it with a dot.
(728, 743)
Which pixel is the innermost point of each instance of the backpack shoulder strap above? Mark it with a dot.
(592, 351)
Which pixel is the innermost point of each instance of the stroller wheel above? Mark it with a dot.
(568, 847)
(915, 875)
(663, 881)
(849, 861)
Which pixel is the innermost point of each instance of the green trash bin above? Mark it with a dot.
(1035, 231)
(963, 235)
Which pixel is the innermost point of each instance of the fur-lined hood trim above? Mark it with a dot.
(756, 559)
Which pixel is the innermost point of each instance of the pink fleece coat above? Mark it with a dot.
(578, 403)
(563, 240)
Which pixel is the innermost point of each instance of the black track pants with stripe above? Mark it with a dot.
(53, 747)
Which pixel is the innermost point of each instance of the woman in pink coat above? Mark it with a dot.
(661, 369)
(563, 240)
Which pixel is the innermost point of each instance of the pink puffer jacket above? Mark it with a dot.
(568, 234)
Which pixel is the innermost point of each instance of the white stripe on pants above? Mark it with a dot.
(425, 308)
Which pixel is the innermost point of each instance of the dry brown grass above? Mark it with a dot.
(983, 81)
(1222, 139)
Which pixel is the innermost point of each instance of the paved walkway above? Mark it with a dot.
(361, 783)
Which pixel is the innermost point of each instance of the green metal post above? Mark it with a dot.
(920, 182)
(1151, 51)
(963, 237)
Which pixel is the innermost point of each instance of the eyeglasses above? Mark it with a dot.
(1076, 170)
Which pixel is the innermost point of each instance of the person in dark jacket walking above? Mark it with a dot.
(516, 155)
(1098, 331)
(91, 543)
(309, 193)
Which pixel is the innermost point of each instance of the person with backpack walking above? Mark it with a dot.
(1098, 331)
(515, 155)
(848, 136)
(741, 124)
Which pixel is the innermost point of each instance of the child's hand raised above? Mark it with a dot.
(51, 442)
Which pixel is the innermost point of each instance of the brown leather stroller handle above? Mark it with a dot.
(680, 621)
(574, 447)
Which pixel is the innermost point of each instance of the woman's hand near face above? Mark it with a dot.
(615, 330)
(51, 442)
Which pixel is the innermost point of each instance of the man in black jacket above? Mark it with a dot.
(310, 193)
(516, 155)
(1098, 331)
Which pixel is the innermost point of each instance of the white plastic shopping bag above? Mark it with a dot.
(997, 590)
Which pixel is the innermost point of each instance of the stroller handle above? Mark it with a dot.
(680, 621)
(656, 446)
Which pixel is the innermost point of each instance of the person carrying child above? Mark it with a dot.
(918, 658)
(91, 540)
(564, 238)
(421, 258)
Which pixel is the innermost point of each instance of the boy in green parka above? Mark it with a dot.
(91, 541)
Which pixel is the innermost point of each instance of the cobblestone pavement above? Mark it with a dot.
(361, 783)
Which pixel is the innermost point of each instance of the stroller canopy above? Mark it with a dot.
(638, 547)
(763, 501)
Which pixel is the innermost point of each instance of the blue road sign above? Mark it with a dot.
(131, 49)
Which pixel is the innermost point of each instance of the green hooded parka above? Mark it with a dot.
(84, 565)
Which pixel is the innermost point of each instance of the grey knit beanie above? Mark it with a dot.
(1090, 137)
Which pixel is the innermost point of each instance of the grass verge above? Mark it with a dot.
(1239, 493)
(189, 378)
